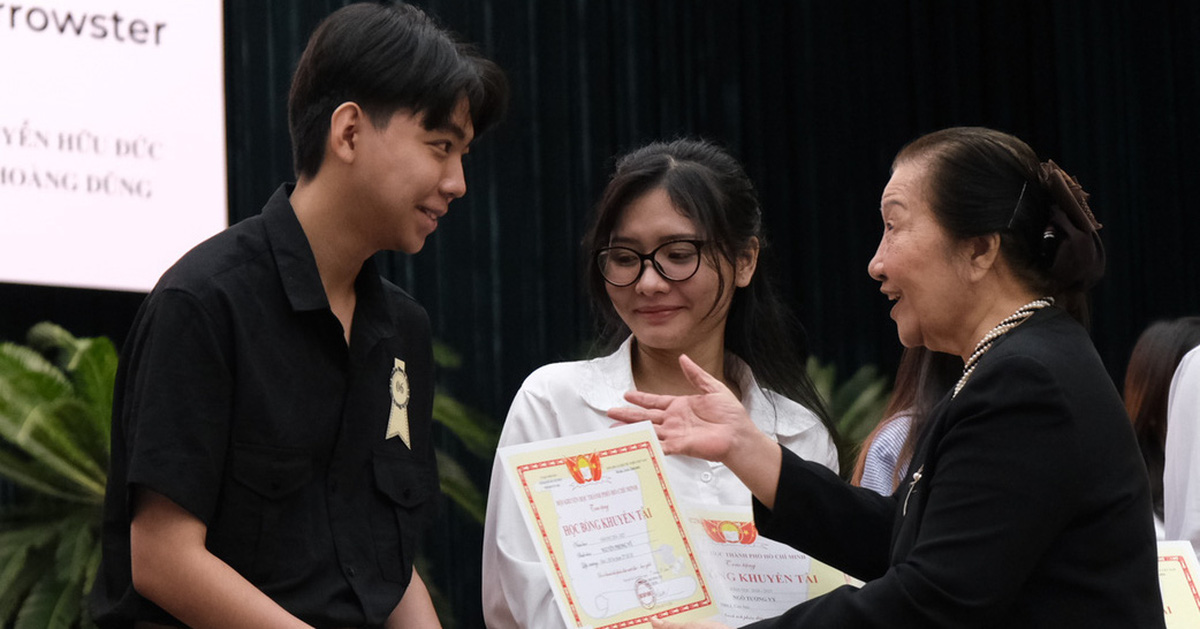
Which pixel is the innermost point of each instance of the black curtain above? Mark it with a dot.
(815, 97)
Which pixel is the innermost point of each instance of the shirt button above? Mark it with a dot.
(706, 477)
(350, 571)
(333, 487)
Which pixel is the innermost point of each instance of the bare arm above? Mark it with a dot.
(711, 425)
(172, 567)
(415, 609)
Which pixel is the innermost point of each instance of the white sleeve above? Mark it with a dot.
(516, 593)
(1181, 469)
(812, 442)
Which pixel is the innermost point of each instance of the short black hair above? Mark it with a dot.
(386, 58)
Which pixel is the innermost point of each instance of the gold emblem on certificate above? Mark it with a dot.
(398, 415)
(608, 529)
(727, 532)
(584, 468)
(753, 577)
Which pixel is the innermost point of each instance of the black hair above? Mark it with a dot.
(982, 181)
(1152, 365)
(923, 378)
(710, 187)
(386, 58)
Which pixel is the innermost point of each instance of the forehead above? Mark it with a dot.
(653, 214)
(906, 187)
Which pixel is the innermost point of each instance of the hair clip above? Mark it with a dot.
(1016, 207)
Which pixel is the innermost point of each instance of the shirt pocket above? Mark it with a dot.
(267, 518)
(404, 486)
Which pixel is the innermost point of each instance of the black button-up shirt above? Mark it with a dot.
(238, 399)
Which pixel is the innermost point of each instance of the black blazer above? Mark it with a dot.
(1027, 505)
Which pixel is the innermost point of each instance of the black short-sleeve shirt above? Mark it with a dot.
(238, 398)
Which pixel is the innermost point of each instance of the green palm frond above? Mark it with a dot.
(55, 420)
(28, 379)
(457, 485)
(51, 604)
(445, 357)
(91, 364)
(78, 540)
(479, 435)
(856, 404)
(15, 548)
(477, 431)
(47, 434)
(33, 475)
(11, 597)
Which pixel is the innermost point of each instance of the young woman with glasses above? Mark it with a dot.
(675, 264)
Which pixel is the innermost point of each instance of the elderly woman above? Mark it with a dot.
(1026, 503)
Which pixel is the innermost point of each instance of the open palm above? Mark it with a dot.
(706, 425)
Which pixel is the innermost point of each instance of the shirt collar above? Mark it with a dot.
(614, 376)
(373, 316)
(293, 255)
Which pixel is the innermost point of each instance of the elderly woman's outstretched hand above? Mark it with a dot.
(657, 623)
(707, 425)
(710, 425)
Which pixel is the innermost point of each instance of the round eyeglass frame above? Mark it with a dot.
(643, 257)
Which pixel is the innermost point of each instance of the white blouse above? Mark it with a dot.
(1181, 466)
(572, 398)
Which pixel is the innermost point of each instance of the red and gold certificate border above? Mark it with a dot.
(554, 560)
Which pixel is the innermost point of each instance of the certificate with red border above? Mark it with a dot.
(1178, 574)
(753, 577)
(610, 533)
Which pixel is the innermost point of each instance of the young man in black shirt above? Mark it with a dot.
(271, 455)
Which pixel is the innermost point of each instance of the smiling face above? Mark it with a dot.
(407, 175)
(666, 315)
(920, 266)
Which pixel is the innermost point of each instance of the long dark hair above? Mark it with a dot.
(982, 181)
(922, 379)
(710, 187)
(1152, 364)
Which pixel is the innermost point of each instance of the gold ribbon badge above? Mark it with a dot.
(398, 417)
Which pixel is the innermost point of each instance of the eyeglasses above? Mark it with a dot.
(676, 261)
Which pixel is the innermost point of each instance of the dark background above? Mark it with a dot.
(813, 96)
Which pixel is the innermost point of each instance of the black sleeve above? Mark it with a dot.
(818, 513)
(1000, 495)
(179, 403)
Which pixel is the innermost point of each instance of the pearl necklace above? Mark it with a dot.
(1012, 321)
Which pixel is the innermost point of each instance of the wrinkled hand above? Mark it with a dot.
(657, 623)
(708, 425)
